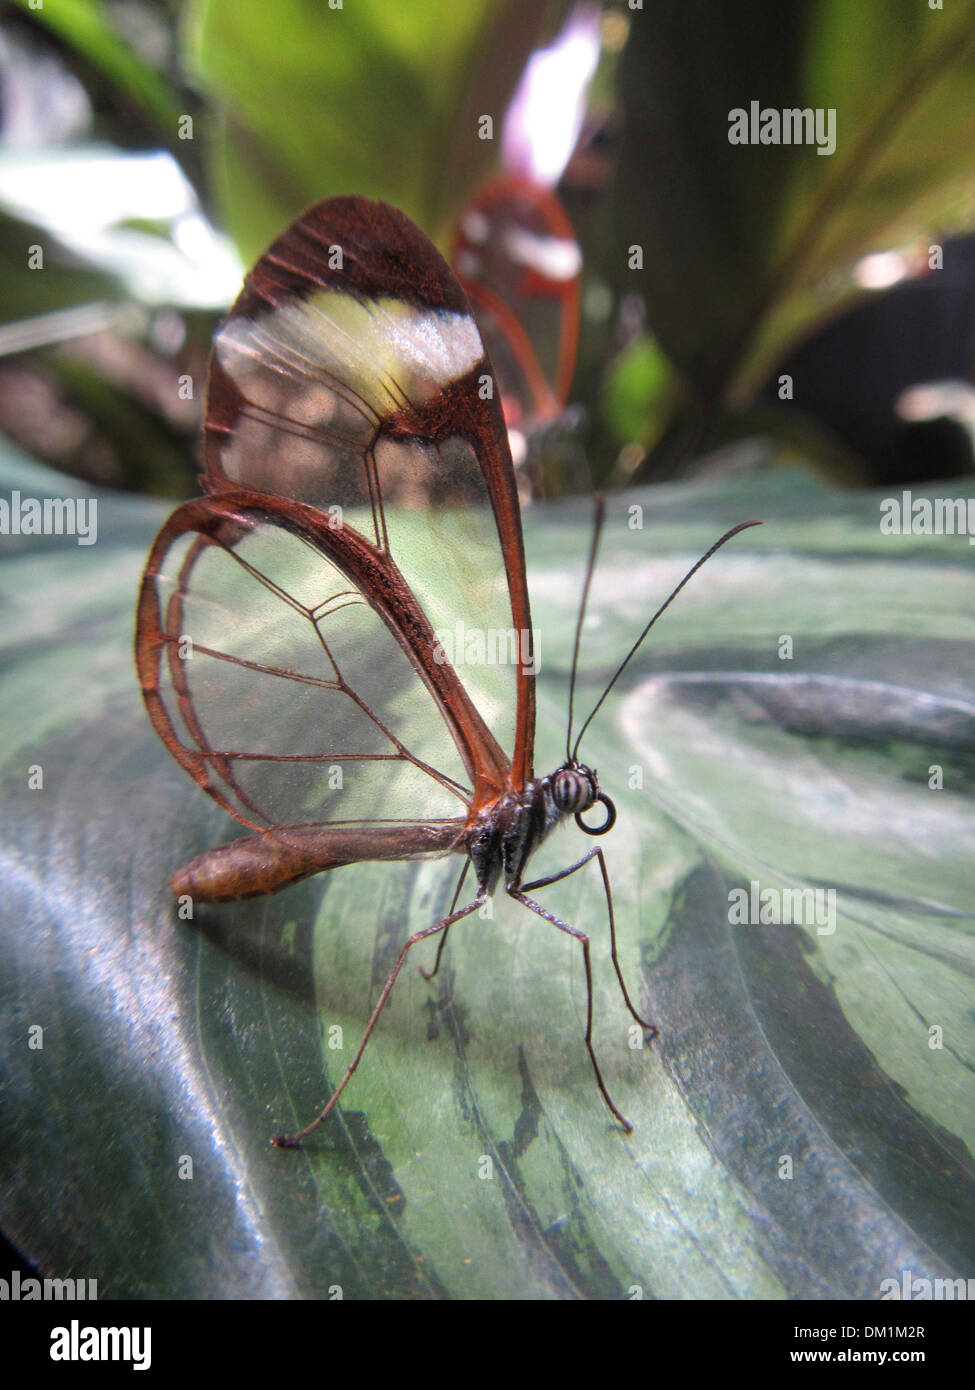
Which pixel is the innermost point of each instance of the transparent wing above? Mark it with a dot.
(520, 265)
(289, 669)
(350, 377)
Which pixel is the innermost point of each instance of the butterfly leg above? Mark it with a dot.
(293, 1141)
(533, 906)
(429, 974)
(596, 853)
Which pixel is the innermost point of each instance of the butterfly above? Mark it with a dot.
(518, 262)
(303, 627)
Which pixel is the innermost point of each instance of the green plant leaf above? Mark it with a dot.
(362, 99)
(746, 246)
(635, 386)
(167, 1040)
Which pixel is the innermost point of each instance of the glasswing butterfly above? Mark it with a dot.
(293, 623)
(518, 262)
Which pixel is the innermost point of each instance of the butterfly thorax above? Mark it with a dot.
(507, 833)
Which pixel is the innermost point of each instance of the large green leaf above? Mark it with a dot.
(364, 98)
(164, 1039)
(746, 245)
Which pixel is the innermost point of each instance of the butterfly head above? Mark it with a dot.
(575, 790)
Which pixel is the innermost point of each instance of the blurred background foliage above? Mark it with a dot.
(153, 148)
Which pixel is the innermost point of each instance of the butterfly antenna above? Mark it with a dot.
(596, 529)
(742, 526)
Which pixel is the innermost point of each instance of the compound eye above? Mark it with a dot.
(572, 791)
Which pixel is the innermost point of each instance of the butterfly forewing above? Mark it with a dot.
(350, 375)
